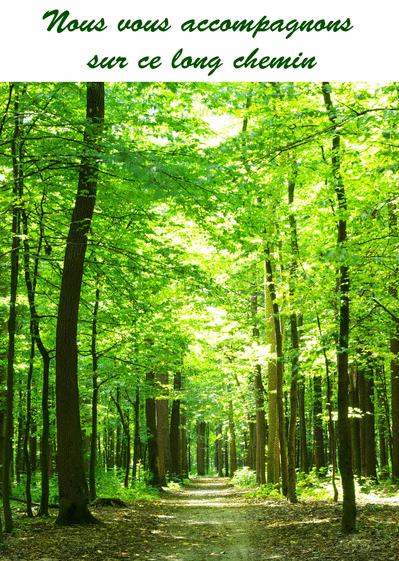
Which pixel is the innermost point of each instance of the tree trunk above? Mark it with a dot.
(394, 348)
(280, 364)
(73, 489)
(371, 460)
(361, 385)
(184, 458)
(175, 440)
(260, 431)
(355, 422)
(201, 448)
(163, 435)
(12, 323)
(136, 441)
(94, 402)
(219, 443)
(294, 353)
(152, 442)
(232, 441)
(319, 459)
(260, 426)
(302, 427)
(251, 451)
(348, 524)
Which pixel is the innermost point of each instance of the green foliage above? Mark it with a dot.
(111, 484)
(267, 491)
(243, 478)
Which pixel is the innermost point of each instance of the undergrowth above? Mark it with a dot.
(315, 487)
(108, 484)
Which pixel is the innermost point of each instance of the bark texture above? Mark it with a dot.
(73, 489)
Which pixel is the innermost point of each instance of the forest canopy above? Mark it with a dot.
(197, 275)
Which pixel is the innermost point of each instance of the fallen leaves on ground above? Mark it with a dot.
(180, 524)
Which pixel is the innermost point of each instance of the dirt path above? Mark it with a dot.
(207, 519)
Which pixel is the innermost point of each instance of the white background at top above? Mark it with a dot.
(368, 52)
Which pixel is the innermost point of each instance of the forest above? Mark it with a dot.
(197, 279)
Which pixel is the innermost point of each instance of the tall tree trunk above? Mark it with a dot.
(251, 450)
(355, 421)
(30, 281)
(382, 431)
(260, 432)
(219, 443)
(175, 440)
(344, 446)
(371, 460)
(184, 457)
(163, 435)
(361, 385)
(318, 434)
(126, 428)
(394, 348)
(152, 442)
(94, 402)
(232, 441)
(12, 323)
(330, 416)
(27, 430)
(201, 448)
(73, 488)
(260, 427)
(302, 427)
(280, 364)
(136, 441)
(294, 353)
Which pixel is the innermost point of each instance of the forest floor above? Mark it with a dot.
(210, 519)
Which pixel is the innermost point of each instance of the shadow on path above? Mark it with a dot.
(206, 519)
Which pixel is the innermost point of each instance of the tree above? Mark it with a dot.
(73, 489)
(348, 524)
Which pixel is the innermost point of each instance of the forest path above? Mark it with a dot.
(208, 519)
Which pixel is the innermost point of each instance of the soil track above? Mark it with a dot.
(207, 519)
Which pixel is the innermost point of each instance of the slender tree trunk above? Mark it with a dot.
(355, 421)
(201, 448)
(163, 435)
(175, 440)
(220, 451)
(302, 427)
(344, 446)
(73, 488)
(152, 442)
(94, 402)
(318, 434)
(361, 384)
(12, 323)
(27, 429)
(232, 441)
(279, 357)
(126, 428)
(251, 450)
(260, 459)
(295, 374)
(184, 458)
(382, 433)
(371, 460)
(260, 427)
(33, 442)
(394, 348)
(136, 441)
